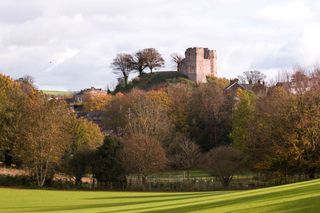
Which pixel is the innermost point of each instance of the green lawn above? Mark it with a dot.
(299, 197)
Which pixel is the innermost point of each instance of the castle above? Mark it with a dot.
(198, 64)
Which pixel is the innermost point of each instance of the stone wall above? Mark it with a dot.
(199, 63)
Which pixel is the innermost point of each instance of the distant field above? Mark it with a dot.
(299, 197)
(57, 93)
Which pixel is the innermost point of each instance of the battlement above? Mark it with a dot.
(199, 63)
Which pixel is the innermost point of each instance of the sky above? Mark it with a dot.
(69, 44)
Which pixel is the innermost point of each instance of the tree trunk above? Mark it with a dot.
(78, 180)
(144, 182)
(311, 172)
(7, 158)
(125, 82)
(226, 182)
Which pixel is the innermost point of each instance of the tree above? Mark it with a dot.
(78, 165)
(140, 112)
(148, 115)
(224, 163)
(116, 115)
(242, 117)
(85, 138)
(220, 82)
(176, 58)
(300, 82)
(154, 59)
(46, 137)
(84, 133)
(142, 155)
(180, 94)
(13, 108)
(209, 116)
(140, 61)
(122, 66)
(95, 102)
(186, 154)
(304, 140)
(106, 165)
(252, 77)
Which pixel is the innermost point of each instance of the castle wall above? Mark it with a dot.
(199, 63)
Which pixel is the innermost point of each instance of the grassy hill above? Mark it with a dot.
(153, 80)
(57, 93)
(299, 197)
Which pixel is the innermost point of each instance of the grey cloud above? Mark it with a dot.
(38, 32)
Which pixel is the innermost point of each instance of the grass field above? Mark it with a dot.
(299, 197)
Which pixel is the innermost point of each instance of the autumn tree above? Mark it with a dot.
(46, 137)
(180, 94)
(220, 82)
(304, 140)
(95, 102)
(142, 155)
(148, 115)
(153, 58)
(13, 107)
(223, 163)
(140, 112)
(116, 115)
(123, 66)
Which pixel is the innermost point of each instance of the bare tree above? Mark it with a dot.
(140, 61)
(187, 154)
(176, 58)
(122, 66)
(154, 59)
(252, 77)
(300, 82)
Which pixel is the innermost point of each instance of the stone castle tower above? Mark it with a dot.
(199, 63)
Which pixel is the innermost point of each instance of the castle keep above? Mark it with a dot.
(199, 63)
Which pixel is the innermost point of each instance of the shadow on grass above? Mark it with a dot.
(250, 199)
(155, 196)
(109, 205)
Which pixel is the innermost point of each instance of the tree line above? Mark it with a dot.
(184, 126)
(41, 134)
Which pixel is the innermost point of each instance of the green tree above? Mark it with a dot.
(242, 117)
(106, 165)
(85, 138)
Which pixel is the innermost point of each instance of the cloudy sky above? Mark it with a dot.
(69, 44)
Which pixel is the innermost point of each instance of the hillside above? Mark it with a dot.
(153, 80)
(57, 93)
(299, 197)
